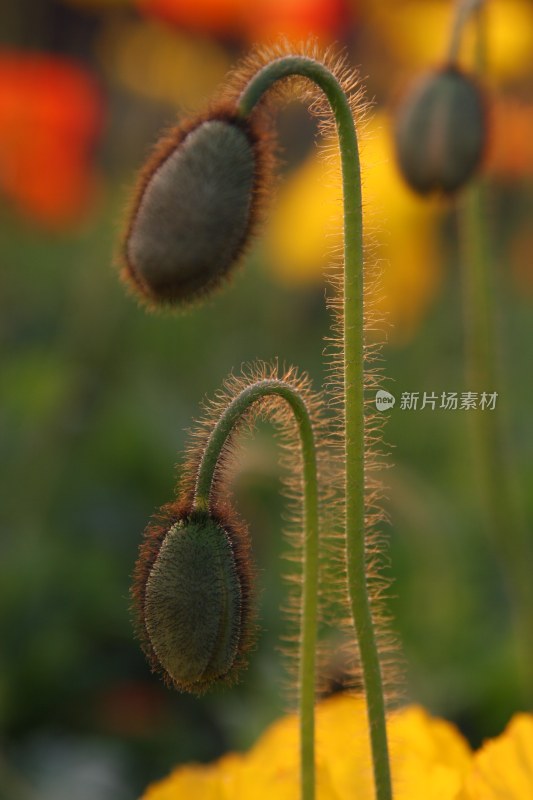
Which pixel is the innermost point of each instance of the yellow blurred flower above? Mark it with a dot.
(417, 32)
(306, 225)
(155, 61)
(503, 768)
(429, 760)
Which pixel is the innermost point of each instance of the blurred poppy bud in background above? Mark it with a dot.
(441, 132)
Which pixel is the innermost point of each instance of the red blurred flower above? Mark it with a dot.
(212, 16)
(296, 19)
(50, 116)
(260, 20)
(131, 708)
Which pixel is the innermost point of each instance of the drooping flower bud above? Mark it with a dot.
(194, 601)
(195, 208)
(441, 131)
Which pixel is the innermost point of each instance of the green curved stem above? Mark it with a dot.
(353, 385)
(308, 636)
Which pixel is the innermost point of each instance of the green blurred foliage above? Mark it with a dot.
(95, 399)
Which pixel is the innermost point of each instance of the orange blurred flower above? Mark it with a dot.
(510, 147)
(212, 16)
(297, 19)
(258, 21)
(50, 116)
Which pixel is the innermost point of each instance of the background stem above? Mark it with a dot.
(490, 447)
(464, 9)
(491, 450)
(308, 636)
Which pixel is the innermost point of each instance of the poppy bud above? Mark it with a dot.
(195, 602)
(194, 209)
(441, 132)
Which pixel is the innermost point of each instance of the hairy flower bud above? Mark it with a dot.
(441, 132)
(194, 601)
(194, 209)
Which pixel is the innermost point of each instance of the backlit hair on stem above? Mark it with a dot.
(179, 252)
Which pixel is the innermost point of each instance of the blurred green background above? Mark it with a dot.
(96, 394)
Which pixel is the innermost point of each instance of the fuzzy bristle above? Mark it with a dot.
(327, 410)
(334, 600)
(144, 257)
(219, 667)
(276, 411)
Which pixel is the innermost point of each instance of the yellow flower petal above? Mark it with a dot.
(272, 767)
(429, 760)
(429, 757)
(503, 768)
(216, 781)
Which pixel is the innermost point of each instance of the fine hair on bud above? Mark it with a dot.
(192, 588)
(441, 131)
(195, 208)
(334, 601)
(274, 410)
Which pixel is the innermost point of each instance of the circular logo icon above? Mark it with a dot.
(384, 400)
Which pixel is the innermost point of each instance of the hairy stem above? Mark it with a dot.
(353, 386)
(308, 636)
